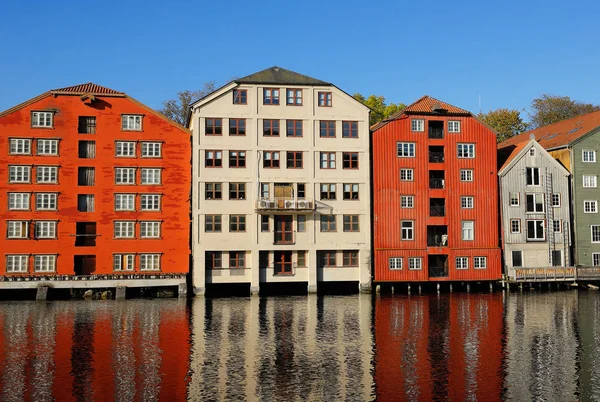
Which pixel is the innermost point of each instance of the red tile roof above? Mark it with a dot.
(88, 88)
(559, 134)
(511, 153)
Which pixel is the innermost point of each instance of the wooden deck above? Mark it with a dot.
(556, 274)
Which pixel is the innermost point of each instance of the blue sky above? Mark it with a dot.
(507, 52)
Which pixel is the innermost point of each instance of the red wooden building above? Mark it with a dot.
(94, 185)
(435, 196)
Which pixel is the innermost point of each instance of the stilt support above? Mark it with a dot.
(419, 288)
(409, 288)
(254, 290)
(468, 287)
(182, 291)
(378, 289)
(120, 294)
(42, 293)
(450, 288)
(312, 289)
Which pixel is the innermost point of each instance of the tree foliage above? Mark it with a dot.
(506, 122)
(549, 109)
(177, 109)
(379, 109)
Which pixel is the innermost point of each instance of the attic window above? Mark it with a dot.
(41, 119)
(532, 152)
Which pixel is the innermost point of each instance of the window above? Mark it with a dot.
(406, 174)
(294, 160)
(131, 122)
(590, 207)
(468, 232)
(237, 223)
(328, 191)
(213, 259)
(123, 262)
(212, 223)
(517, 258)
(462, 262)
(46, 201)
(301, 190)
(301, 223)
(350, 191)
(150, 229)
(556, 200)
(20, 146)
(213, 159)
(535, 230)
(213, 127)
(595, 233)
(349, 160)
(17, 229)
(237, 259)
(556, 226)
(590, 181)
(351, 223)
(47, 147)
(151, 176)
(349, 129)
(350, 258)
(150, 202)
(17, 263)
(328, 223)
(480, 262)
(588, 156)
(85, 202)
(417, 125)
(514, 199)
(395, 263)
(124, 229)
(237, 126)
(324, 99)
(41, 119)
(327, 160)
(19, 174)
(237, 159)
(45, 229)
(87, 149)
(294, 97)
(86, 176)
(407, 201)
(240, 96)
(596, 259)
(271, 96)
(466, 202)
(407, 230)
(406, 149)
(149, 262)
(535, 203)
(125, 149)
(466, 174)
(18, 201)
(271, 159)
(46, 174)
(213, 191)
(86, 125)
(532, 152)
(44, 263)
(454, 126)
(466, 150)
(271, 128)
(265, 190)
(124, 202)
(294, 128)
(151, 149)
(515, 226)
(125, 175)
(301, 259)
(237, 191)
(414, 263)
(264, 223)
(327, 129)
(533, 176)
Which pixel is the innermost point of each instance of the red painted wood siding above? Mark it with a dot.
(388, 188)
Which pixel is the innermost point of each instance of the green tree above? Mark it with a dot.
(177, 109)
(549, 109)
(506, 122)
(379, 109)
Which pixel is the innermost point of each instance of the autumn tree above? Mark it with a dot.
(177, 109)
(549, 109)
(506, 122)
(379, 109)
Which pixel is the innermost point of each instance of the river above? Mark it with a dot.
(487, 347)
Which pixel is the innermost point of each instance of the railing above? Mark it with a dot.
(48, 276)
(588, 273)
(437, 210)
(436, 157)
(85, 240)
(438, 272)
(436, 183)
(547, 274)
(284, 204)
(283, 237)
(436, 133)
(437, 240)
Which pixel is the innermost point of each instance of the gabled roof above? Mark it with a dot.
(561, 134)
(87, 88)
(280, 76)
(515, 152)
(425, 105)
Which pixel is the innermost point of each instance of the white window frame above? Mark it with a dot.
(124, 202)
(409, 174)
(590, 181)
(465, 150)
(395, 263)
(150, 262)
(595, 259)
(124, 229)
(415, 263)
(17, 229)
(42, 119)
(151, 149)
(588, 156)
(479, 262)
(46, 174)
(44, 262)
(537, 176)
(125, 175)
(46, 146)
(46, 201)
(407, 201)
(151, 176)
(590, 206)
(511, 199)
(544, 229)
(467, 202)
(406, 149)
(326, 159)
(417, 125)
(19, 174)
(598, 233)
(20, 146)
(407, 233)
(123, 262)
(535, 196)
(468, 233)
(512, 228)
(17, 263)
(150, 202)
(19, 201)
(556, 200)
(150, 229)
(45, 229)
(131, 122)
(466, 174)
(531, 151)
(454, 126)
(554, 222)
(462, 263)
(125, 149)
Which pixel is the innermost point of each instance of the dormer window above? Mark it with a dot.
(131, 122)
(42, 119)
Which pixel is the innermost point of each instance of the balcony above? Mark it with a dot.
(437, 236)
(284, 205)
(438, 266)
(438, 272)
(436, 179)
(437, 207)
(436, 130)
(436, 154)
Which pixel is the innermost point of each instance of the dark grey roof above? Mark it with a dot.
(279, 76)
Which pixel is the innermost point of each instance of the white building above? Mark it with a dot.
(281, 189)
